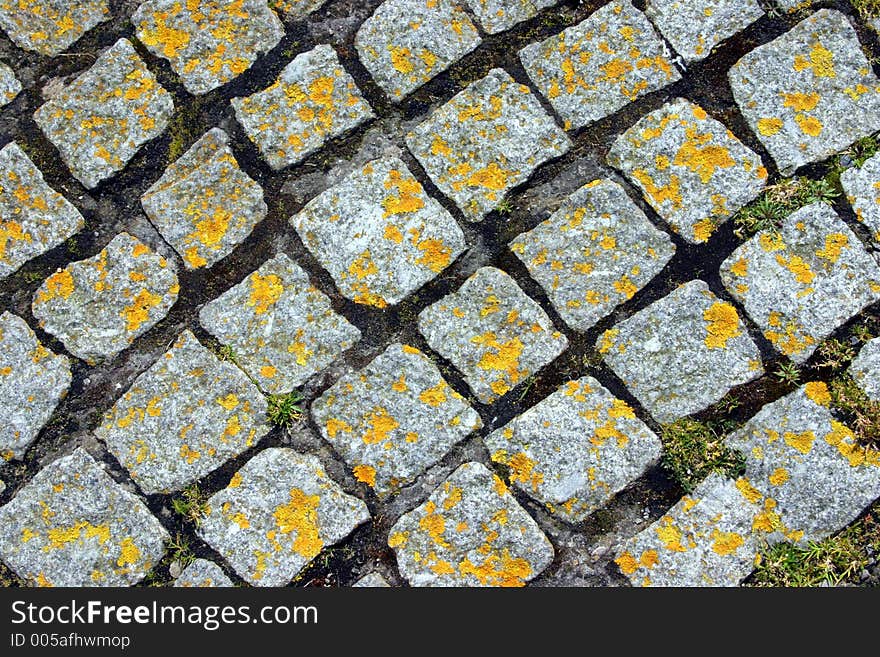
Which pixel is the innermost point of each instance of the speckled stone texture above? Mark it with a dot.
(50, 26)
(865, 369)
(9, 85)
(694, 27)
(575, 449)
(492, 332)
(101, 119)
(295, 9)
(277, 513)
(804, 468)
(705, 540)
(470, 532)
(33, 217)
(682, 353)
(313, 100)
(184, 417)
(204, 205)
(862, 187)
(690, 168)
(379, 234)
(98, 306)
(809, 93)
(394, 418)
(372, 580)
(405, 43)
(594, 253)
(209, 42)
(485, 141)
(280, 327)
(72, 525)
(33, 380)
(801, 283)
(594, 68)
(202, 573)
(499, 15)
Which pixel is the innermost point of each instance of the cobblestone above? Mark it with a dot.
(50, 26)
(9, 85)
(202, 573)
(862, 187)
(499, 15)
(865, 369)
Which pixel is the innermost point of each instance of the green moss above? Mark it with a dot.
(692, 450)
(839, 559)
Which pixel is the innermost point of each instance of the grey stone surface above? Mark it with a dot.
(379, 234)
(394, 418)
(808, 93)
(492, 332)
(101, 119)
(865, 369)
(202, 573)
(792, 6)
(98, 306)
(682, 353)
(862, 187)
(594, 68)
(594, 253)
(576, 449)
(804, 468)
(695, 27)
(372, 580)
(485, 141)
(405, 43)
(207, 43)
(706, 539)
(9, 85)
(33, 217)
(32, 382)
(278, 512)
(499, 15)
(204, 204)
(470, 532)
(690, 168)
(72, 525)
(295, 9)
(184, 417)
(281, 328)
(313, 100)
(801, 283)
(50, 26)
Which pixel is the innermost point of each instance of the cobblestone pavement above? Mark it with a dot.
(409, 292)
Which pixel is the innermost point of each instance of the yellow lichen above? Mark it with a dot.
(365, 474)
(300, 515)
(722, 325)
(265, 292)
(818, 392)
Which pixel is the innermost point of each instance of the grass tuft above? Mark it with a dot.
(284, 410)
(692, 450)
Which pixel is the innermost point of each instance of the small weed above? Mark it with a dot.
(836, 560)
(191, 504)
(692, 450)
(862, 333)
(788, 373)
(863, 149)
(835, 354)
(284, 410)
(505, 207)
(866, 8)
(780, 200)
(226, 353)
(861, 413)
(180, 550)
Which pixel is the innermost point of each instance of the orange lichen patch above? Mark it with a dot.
(809, 125)
(625, 287)
(722, 325)
(365, 474)
(771, 241)
(265, 292)
(501, 357)
(400, 59)
(169, 38)
(409, 194)
(334, 426)
(668, 193)
(498, 570)
(834, 244)
(670, 535)
(229, 402)
(649, 559)
(703, 230)
(607, 341)
(139, 311)
(769, 126)
(740, 267)
(522, 470)
(268, 371)
(235, 481)
(59, 284)
(435, 254)
(363, 266)
(434, 396)
(801, 102)
(820, 61)
(790, 341)
(188, 454)
(726, 543)
(797, 266)
(81, 531)
(778, 477)
(381, 425)
(434, 524)
(492, 177)
(702, 157)
(393, 234)
(620, 408)
(300, 515)
(748, 491)
(129, 554)
(802, 442)
(627, 563)
(818, 392)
